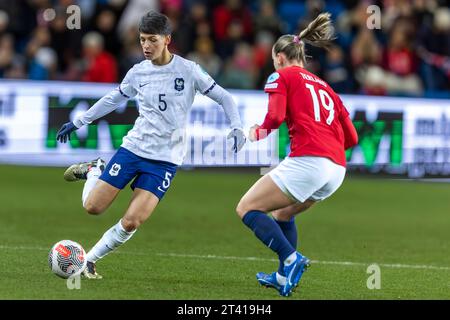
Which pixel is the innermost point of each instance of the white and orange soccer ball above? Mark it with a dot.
(67, 258)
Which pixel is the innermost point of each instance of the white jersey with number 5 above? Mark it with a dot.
(165, 95)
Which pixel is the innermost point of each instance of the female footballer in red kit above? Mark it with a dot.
(320, 131)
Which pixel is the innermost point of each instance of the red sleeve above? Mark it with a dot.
(350, 134)
(276, 84)
(275, 115)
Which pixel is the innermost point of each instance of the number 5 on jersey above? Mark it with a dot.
(166, 182)
(162, 105)
(326, 102)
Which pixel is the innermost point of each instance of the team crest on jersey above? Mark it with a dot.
(273, 77)
(179, 84)
(114, 171)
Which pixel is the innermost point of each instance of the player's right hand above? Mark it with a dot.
(65, 131)
(252, 133)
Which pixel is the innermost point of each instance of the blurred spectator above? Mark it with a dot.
(365, 53)
(401, 63)
(6, 52)
(41, 38)
(239, 72)
(17, 69)
(65, 42)
(263, 48)
(134, 10)
(22, 19)
(313, 9)
(434, 49)
(44, 64)
(131, 54)
(262, 55)
(232, 12)
(373, 80)
(267, 19)
(203, 29)
(423, 12)
(336, 71)
(195, 25)
(204, 55)
(101, 66)
(171, 7)
(105, 23)
(395, 9)
(235, 35)
(4, 22)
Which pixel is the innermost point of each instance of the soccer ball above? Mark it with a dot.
(67, 258)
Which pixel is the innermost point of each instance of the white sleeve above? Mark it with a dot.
(225, 99)
(208, 87)
(202, 80)
(108, 103)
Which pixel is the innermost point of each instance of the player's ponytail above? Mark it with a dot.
(318, 33)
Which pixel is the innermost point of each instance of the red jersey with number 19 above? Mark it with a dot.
(313, 113)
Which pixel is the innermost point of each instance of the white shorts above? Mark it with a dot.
(308, 178)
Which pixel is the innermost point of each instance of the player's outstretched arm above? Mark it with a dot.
(102, 107)
(274, 117)
(225, 99)
(350, 134)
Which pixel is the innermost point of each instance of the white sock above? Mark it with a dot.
(281, 279)
(92, 177)
(112, 239)
(291, 259)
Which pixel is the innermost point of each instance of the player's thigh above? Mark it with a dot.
(300, 177)
(285, 214)
(101, 197)
(336, 177)
(141, 206)
(264, 196)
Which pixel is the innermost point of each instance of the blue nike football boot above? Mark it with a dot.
(269, 280)
(294, 273)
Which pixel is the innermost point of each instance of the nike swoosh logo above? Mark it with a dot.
(291, 274)
(143, 84)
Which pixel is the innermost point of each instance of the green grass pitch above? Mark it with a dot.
(195, 247)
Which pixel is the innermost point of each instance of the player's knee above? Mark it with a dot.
(283, 215)
(242, 209)
(131, 224)
(93, 208)
(306, 205)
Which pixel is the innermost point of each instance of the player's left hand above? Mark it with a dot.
(239, 139)
(252, 133)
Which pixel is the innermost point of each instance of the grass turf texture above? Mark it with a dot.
(195, 247)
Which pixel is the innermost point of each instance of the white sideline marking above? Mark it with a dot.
(209, 256)
(342, 263)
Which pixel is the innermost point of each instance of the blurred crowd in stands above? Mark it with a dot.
(232, 39)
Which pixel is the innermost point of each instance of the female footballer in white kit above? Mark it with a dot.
(165, 85)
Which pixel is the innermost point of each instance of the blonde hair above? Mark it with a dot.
(318, 33)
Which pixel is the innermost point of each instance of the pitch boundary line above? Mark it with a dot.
(209, 256)
(343, 263)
